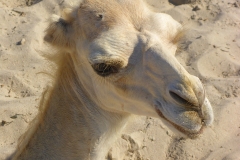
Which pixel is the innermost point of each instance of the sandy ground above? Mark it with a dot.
(211, 52)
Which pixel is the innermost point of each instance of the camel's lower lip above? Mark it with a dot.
(190, 134)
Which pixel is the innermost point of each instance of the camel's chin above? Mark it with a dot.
(194, 125)
(190, 133)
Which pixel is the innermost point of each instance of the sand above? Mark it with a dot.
(211, 51)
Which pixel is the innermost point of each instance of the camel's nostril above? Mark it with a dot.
(178, 98)
(183, 101)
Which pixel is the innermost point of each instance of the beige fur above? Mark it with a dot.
(132, 50)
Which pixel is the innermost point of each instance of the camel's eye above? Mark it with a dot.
(100, 17)
(104, 69)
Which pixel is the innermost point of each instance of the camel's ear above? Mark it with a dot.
(60, 32)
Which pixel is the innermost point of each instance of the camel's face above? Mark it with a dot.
(129, 64)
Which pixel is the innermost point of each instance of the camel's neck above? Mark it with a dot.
(72, 126)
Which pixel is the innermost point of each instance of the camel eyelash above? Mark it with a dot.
(104, 69)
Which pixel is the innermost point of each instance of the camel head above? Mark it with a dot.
(125, 59)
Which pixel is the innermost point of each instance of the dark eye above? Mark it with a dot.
(104, 69)
(100, 16)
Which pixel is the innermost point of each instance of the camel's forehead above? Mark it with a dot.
(112, 5)
(116, 10)
(109, 8)
(101, 4)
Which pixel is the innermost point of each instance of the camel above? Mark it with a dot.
(115, 59)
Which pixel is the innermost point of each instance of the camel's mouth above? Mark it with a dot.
(187, 121)
(190, 133)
